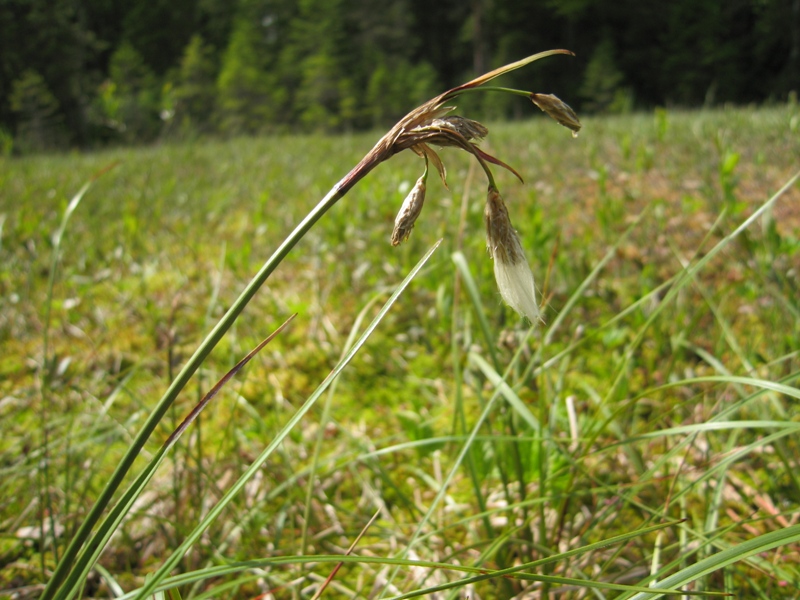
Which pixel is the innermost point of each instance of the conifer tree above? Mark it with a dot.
(194, 91)
(250, 94)
(325, 39)
(38, 114)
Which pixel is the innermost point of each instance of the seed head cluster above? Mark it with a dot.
(430, 126)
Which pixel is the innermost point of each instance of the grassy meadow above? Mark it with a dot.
(647, 434)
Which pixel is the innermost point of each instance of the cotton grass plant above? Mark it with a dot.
(527, 545)
(425, 126)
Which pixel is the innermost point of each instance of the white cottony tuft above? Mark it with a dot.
(517, 288)
(511, 270)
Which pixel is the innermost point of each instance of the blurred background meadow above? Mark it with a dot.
(644, 435)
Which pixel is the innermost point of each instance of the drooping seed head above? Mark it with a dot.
(511, 271)
(409, 211)
(558, 110)
(502, 240)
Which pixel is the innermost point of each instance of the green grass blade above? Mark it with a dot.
(67, 562)
(91, 553)
(326, 411)
(58, 237)
(581, 289)
(506, 391)
(757, 545)
(477, 574)
(475, 297)
(217, 509)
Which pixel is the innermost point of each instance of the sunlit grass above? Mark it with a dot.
(620, 412)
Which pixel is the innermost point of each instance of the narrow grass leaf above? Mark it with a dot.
(581, 289)
(757, 545)
(88, 558)
(478, 574)
(68, 560)
(472, 289)
(217, 509)
(506, 391)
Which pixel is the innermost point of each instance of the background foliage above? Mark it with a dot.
(626, 408)
(78, 73)
(646, 433)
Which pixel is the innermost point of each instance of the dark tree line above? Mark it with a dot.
(88, 72)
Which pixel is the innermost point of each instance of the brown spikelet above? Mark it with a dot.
(558, 110)
(409, 211)
(501, 238)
